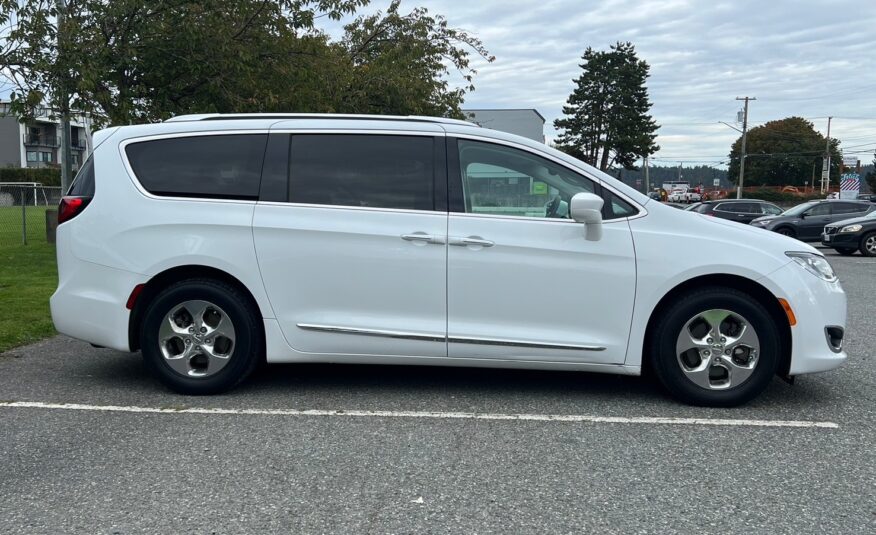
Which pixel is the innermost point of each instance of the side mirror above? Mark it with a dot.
(803, 215)
(587, 208)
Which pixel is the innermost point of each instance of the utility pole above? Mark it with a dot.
(647, 177)
(64, 101)
(679, 171)
(825, 169)
(742, 151)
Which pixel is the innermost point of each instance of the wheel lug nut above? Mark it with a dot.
(707, 353)
(191, 329)
(203, 329)
(709, 340)
(188, 341)
(209, 341)
(723, 339)
(726, 351)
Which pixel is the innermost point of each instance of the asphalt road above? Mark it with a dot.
(89, 471)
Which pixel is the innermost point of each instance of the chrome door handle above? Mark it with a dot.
(424, 238)
(464, 242)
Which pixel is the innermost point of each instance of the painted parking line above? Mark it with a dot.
(574, 418)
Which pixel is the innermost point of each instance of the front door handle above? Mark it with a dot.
(422, 237)
(471, 240)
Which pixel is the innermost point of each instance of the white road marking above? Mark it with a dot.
(421, 414)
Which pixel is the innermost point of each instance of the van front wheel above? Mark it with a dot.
(715, 347)
(201, 336)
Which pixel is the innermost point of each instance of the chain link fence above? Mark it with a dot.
(23, 208)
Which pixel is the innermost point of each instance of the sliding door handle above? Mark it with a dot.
(422, 237)
(471, 240)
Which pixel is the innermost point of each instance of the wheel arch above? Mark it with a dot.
(763, 295)
(175, 274)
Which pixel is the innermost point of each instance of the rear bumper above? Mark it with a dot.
(89, 303)
(817, 305)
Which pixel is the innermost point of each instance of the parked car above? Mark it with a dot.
(741, 210)
(684, 196)
(213, 242)
(867, 197)
(850, 235)
(806, 221)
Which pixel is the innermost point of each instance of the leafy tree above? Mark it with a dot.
(129, 61)
(784, 152)
(399, 63)
(606, 119)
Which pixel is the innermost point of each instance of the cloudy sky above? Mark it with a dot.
(810, 58)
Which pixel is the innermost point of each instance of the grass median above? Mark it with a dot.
(28, 276)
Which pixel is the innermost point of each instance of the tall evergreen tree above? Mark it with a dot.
(607, 120)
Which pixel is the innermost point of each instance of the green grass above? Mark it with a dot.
(28, 276)
(10, 224)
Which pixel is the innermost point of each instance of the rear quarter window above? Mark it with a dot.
(216, 166)
(83, 183)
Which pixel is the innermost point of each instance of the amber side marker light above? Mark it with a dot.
(792, 319)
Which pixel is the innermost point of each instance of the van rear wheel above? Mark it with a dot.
(715, 347)
(201, 336)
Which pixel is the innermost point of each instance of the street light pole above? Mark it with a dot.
(742, 151)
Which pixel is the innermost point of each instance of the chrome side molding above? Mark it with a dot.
(407, 335)
(372, 332)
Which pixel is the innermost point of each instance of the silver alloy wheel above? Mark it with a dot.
(717, 349)
(870, 244)
(196, 338)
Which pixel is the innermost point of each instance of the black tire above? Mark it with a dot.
(248, 348)
(846, 252)
(787, 231)
(865, 240)
(673, 319)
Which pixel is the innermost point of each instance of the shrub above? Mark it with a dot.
(47, 176)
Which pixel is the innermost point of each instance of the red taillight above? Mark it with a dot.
(71, 207)
(132, 300)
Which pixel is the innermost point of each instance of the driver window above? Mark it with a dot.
(821, 209)
(499, 180)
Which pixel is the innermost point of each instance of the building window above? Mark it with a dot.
(45, 156)
(32, 156)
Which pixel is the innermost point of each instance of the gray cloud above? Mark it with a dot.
(809, 58)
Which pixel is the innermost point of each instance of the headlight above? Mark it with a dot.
(851, 228)
(815, 264)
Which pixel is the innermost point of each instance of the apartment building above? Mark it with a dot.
(37, 142)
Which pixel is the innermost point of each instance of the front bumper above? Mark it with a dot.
(845, 240)
(817, 305)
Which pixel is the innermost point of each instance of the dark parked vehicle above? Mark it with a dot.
(867, 197)
(742, 210)
(850, 235)
(806, 221)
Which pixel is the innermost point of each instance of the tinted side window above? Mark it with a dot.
(770, 209)
(377, 171)
(849, 208)
(83, 184)
(821, 209)
(217, 166)
(735, 207)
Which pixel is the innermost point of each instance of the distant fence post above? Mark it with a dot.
(23, 220)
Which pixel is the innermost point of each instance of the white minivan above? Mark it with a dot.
(212, 243)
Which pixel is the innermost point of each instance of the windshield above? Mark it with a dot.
(800, 208)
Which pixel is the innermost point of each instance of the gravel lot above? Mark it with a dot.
(87, 471)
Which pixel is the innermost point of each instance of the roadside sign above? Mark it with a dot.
(850, 186)
(716, 182)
